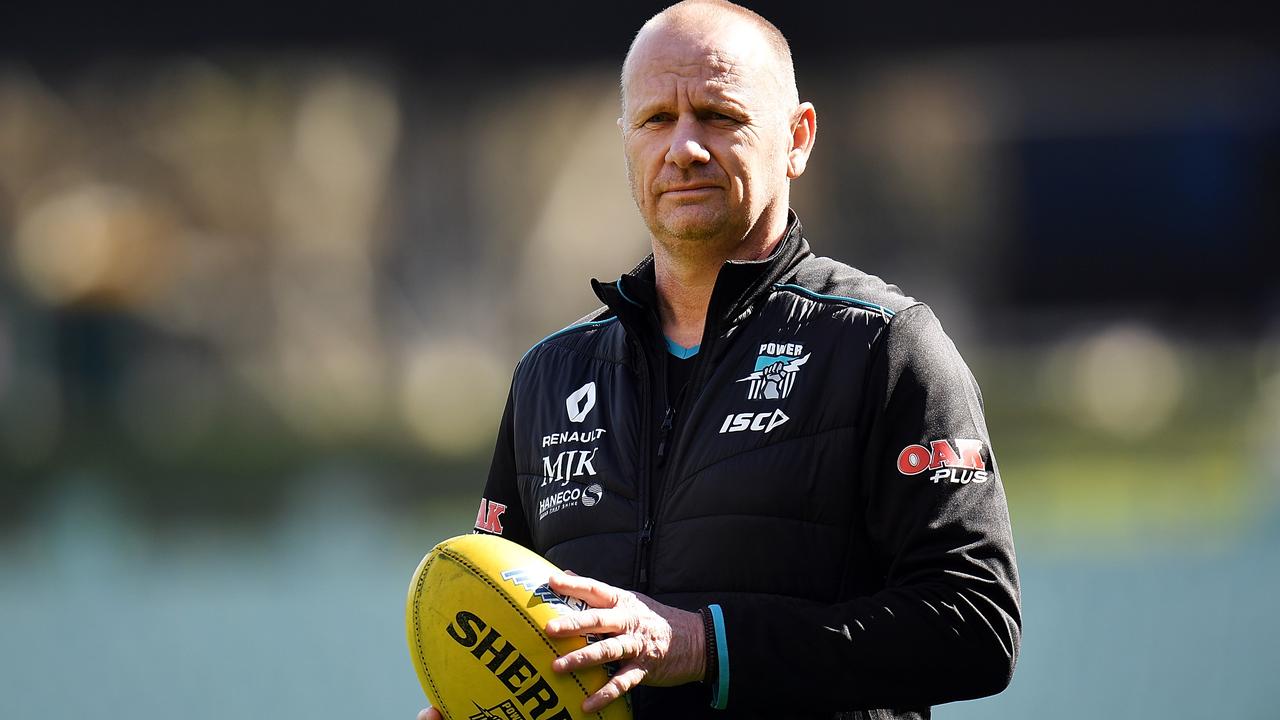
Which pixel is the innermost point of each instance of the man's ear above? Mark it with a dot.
(804, 128)
(619, 121)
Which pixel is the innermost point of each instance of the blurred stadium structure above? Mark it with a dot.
(259, 308)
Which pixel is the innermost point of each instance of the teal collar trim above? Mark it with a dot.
(680, 351)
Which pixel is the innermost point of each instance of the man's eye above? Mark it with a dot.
(656, 118)
(721, 117)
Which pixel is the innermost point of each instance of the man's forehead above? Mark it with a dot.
(713, 48)
(721, 65)
(712, 66)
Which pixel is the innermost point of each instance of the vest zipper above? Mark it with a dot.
(664, 434)
(690, 393)
(645, 536)
(646, 476)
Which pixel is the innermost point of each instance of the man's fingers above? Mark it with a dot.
(596, 593)
(626, 679)
(607, 650)
(603, 620)
(429, 713)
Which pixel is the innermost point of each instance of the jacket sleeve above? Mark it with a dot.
(945, 623)
(501, 508)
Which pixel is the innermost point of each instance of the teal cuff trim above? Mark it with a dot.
(722, 656)
(681, 351)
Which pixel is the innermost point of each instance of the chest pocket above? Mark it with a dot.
(777, 417)
(577, 428)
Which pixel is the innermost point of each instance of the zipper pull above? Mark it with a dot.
(646, 534)
(667, 421)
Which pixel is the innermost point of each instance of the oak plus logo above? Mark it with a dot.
(775, 371)
(580, 402)
(956, 461)
(489, 518)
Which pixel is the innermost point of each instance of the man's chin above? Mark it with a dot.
(692, 226)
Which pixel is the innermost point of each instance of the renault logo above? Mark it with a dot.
(581, 401)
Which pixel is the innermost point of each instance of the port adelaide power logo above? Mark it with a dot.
(777, 365)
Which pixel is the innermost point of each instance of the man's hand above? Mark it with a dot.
(429, 713)
(658, 644)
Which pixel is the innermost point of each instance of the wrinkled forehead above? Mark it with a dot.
(727, 61)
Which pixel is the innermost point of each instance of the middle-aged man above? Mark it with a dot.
(769, 470)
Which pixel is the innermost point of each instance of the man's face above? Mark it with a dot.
(706, 133)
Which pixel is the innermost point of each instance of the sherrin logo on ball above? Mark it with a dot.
(475, 615)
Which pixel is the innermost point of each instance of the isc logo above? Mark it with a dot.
(757, 422)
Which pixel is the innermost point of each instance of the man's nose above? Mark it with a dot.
(686, 144)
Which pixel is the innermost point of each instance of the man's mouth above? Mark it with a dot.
(689, 188)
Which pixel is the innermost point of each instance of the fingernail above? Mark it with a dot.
(553, 627)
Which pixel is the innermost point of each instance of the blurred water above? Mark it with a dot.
(303, 620)
(104, 618)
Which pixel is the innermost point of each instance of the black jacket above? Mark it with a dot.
(826, 478)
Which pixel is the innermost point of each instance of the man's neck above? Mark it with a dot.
(685, 280)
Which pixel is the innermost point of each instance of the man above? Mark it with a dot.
(769, 470)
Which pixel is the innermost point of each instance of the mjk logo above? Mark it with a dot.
(580, 402)
(568, 464)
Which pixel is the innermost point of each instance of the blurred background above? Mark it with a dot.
(264, 273)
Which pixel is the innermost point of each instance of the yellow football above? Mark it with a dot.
(475, 617)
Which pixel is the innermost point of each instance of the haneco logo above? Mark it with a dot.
(775, 371)
(753, 421)
(580, 402)
(570, 497)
